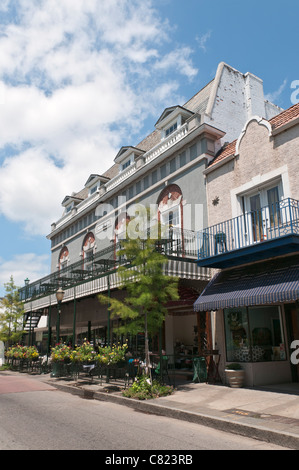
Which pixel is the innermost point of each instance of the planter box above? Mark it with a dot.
(235, 378)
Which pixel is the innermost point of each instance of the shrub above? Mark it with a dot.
(143, 389)
(22, 352)
(111, 355)
(83, 353)
(61, 353)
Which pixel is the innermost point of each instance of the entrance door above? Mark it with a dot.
(292, 321)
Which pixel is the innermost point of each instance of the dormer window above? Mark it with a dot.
(171, 129)
(94, 182)
(126, 164)
(70, 202)
(127, 156)
(93, 189)
(172, 119)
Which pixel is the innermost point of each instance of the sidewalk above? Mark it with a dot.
(270, 414)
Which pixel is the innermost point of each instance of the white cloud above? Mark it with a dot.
(178, 60)
(22, 266)
(275, 95)
(77, 80)
(202, 40)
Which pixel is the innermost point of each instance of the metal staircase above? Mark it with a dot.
(32, 319)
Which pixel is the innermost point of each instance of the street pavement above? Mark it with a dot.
(269, 413)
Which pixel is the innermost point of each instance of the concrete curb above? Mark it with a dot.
(243, 426)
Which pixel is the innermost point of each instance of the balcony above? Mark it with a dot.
(90, 276)
(253, 236)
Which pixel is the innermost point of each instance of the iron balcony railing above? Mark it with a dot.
(271, 222)
(175, 243)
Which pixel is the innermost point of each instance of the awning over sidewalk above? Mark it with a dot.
(257, 284)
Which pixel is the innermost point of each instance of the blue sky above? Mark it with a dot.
(80, 79)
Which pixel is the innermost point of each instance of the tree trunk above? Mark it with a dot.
(146, 346)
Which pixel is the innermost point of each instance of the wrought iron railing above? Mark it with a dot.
(268, 223)
(175, 243)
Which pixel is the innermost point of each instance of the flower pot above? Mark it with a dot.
(235, 378)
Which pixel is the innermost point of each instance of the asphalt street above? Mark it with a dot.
(36, 416)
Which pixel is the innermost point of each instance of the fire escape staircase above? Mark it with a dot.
(32, 319)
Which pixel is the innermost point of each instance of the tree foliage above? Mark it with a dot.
(11, 314)
(147, 289)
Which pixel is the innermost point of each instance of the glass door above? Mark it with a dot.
(263, 216)
(274, 216)
(171, 224)
(256, 218)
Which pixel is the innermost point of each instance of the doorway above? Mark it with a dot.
(264, 209)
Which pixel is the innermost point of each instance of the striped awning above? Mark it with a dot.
(257, 284)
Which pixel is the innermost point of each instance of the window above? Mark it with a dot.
(145, 182)
(171, 215)
(254, 334)
(193, 152)
(88, 251)
(262, 212)
(172, 165)
(171, 129)
(163, 171)
(154, 177)
(93, 189)
(182, 159)
(88, 259)
(63, 258)
(138, 187)
(131, 192)
(172, 218)
(125, 165)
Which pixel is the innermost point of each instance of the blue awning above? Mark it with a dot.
(257, 284)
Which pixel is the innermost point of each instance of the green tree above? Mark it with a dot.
(147, 290)
(11, 314)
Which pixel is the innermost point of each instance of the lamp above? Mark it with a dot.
(59, 297)
(26, 287)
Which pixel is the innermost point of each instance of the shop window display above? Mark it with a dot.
(254, 334)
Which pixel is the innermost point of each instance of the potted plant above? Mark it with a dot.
(60, 356)
(235, 375)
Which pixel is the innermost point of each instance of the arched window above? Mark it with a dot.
(170, 214)
(63, 258)
(120, 230)
(170, 207)
(88, 250)
(120, 226)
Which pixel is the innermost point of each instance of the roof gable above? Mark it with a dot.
(170, 114)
